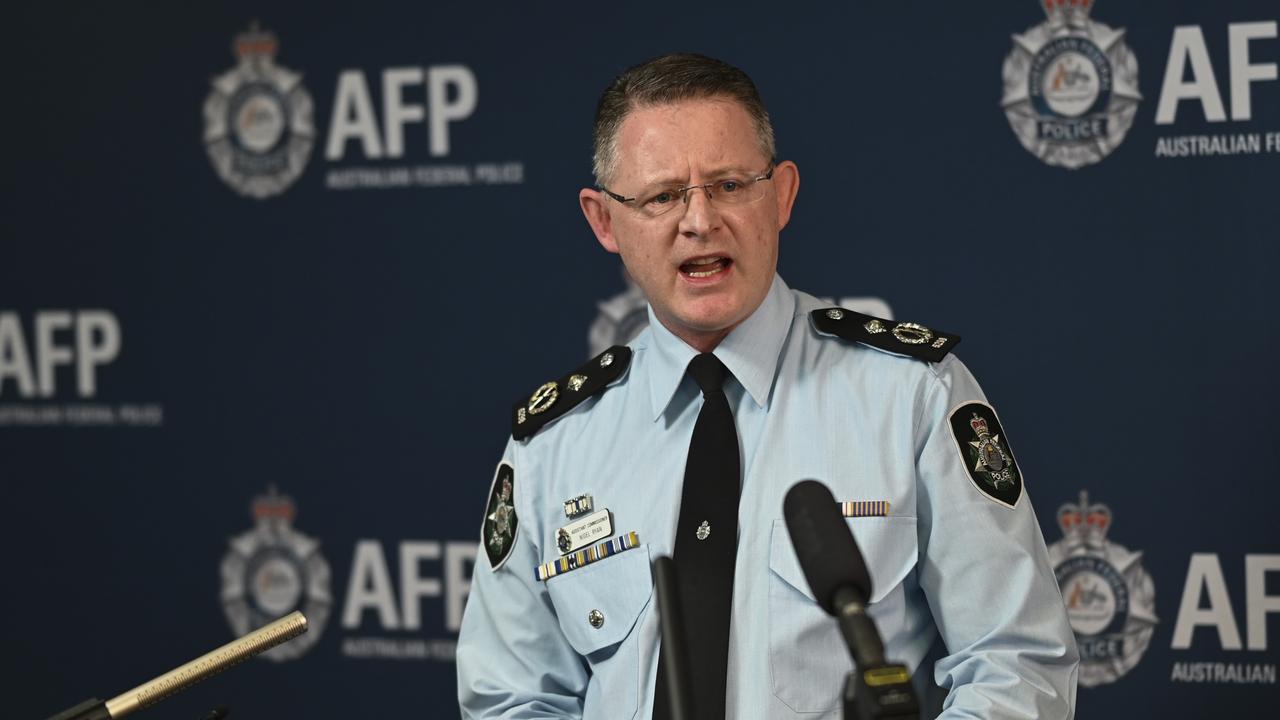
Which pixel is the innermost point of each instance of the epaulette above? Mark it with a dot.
(555, 398)
(901, 338)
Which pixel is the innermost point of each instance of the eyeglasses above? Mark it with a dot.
(728, 191)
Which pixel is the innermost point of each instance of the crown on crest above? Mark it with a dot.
(273, 506)
(1073, 13)
(255, 43)
(1084, 523)
(979, 425)
(1067, 12)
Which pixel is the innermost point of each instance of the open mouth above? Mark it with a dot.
(705, 267)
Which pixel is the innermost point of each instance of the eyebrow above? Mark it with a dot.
(671, 180)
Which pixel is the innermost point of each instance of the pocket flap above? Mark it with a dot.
(888, 545)
(617, 588)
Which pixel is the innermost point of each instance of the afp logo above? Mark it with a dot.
(257, 120)
(1110, 598)
(272, 570)
(1070, 86)
(89, 339)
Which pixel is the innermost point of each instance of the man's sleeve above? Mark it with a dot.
(513, 660)
(983, 564)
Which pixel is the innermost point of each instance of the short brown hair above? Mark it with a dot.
(668, 79)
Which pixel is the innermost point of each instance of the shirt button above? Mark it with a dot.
(596, 618)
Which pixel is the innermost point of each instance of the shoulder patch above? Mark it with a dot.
(901, 338)
(498, 533)
(985, 453)
(557, 397)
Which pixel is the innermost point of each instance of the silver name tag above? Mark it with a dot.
(581, 533)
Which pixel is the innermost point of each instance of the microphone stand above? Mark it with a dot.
(876, 690)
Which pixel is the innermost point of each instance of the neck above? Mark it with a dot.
(702, 341)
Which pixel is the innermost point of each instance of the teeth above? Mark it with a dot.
(707, 273)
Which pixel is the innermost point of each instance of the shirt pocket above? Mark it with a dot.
(807, 654)
(614, 593)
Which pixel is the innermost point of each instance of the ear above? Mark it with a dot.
(786, 184)
(595, 208)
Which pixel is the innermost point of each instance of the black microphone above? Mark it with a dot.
(838, 577)
(679, 696)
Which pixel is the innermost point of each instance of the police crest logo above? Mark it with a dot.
(621, 318)
(272, 570)
(1110, 598)
(1070, 86)
(258, 120)
(498, 535)
(985, 452)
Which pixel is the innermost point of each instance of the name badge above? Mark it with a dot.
(585, 531)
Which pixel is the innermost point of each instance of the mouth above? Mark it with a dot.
(705, 267)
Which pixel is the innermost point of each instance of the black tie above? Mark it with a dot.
(707, 544)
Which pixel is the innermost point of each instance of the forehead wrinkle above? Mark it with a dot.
(665, 150)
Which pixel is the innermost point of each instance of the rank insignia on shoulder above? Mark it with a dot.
(498, 534)
(901, 338)
(985, 453)
(557, 397)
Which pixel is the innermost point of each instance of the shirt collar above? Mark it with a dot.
(750, 351)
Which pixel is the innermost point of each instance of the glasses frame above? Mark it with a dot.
(684, 190)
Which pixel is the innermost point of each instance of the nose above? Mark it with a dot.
(700, 217)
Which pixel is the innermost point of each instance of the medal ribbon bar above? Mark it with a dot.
(586, 556)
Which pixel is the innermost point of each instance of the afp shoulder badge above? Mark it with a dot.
(900, 338)
(985, 453)
(498, 535)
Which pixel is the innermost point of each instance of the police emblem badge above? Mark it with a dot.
(621, 318)
(273, 570)
(1110, 598)
(498, 534)
(258, 127)
(1070, 86)
(986, 453)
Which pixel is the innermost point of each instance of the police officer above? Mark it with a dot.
(597, 478)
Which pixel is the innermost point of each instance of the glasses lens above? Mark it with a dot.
(730, 191)
(733, 191)
(660, 202)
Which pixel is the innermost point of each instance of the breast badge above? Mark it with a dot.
(584, 527)
(1110, 598)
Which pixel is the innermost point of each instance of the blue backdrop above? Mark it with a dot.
(273, 275)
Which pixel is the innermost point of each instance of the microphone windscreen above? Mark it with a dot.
(824, 544)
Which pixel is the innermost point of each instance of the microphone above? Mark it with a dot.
(679, 697)
(183, 677)
(838, 577)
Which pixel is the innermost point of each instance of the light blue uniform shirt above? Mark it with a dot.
(869, 424)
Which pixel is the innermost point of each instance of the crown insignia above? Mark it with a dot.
(255, 43)
(979, 425)
(1073, 13)
(274, 506)
(1084, 523)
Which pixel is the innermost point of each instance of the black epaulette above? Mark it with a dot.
(901, 338)
(555, 398)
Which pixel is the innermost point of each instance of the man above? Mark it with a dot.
(685, 442)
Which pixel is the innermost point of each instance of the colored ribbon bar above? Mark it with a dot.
(586, 556)
(865, 508)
